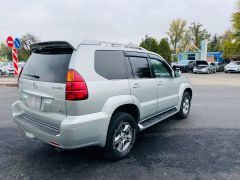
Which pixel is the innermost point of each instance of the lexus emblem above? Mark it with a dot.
(34, 84)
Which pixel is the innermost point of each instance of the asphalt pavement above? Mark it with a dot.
(206, 145)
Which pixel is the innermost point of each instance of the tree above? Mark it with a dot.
(150, 44)
(165, 50)
(236, 29)
(214, 45)
(185, 41)
(236, 20)
(176, 31)
(198, 34)
(228, 45)
(26, 41)
(5, 51)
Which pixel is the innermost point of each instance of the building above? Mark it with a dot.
(193, 53)
(215, 57)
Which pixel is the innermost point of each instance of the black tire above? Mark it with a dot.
(1, 73)
(117, 120)
(182, 114)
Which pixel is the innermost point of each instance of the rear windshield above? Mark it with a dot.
(47, 67)
(201, 63)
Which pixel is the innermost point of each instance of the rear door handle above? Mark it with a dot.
(136, 85)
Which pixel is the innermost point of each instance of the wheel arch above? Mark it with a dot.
(189, 90)
(131, 109)
(185, 87)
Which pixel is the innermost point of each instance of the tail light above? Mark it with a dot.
(76, 87)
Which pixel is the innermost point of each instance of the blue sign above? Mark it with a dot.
(17, 43)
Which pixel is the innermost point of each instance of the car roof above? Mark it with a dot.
(98, 44)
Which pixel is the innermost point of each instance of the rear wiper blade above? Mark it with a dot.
(35, 76)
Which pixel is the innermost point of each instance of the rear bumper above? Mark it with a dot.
(74, 132)
(200, 71)
(181, 68)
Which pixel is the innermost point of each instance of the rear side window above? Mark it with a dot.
(110, 64)
(47, 67)
(140, 67)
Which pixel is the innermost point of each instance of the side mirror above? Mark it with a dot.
(177, 74)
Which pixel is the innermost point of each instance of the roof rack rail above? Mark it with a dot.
(112, 44)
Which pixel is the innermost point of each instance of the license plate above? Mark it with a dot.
(33, 102)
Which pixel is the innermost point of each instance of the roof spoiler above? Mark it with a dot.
(51, 45)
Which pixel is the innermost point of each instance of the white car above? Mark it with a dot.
(96, 94)
(233, 66)
(10, 69)
(3, 67)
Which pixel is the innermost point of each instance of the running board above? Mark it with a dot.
(154, 120)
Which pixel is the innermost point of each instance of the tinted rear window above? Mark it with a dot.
(110, 64)
(47, 67)
(140, 67)
(201, 63)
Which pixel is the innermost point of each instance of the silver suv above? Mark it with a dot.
(96, 94)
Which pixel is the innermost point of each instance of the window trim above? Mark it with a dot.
(163, 62)
(136, 54)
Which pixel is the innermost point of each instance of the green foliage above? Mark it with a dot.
(185, 41)
(150, 44)
(5, 52)
(214, 45)
(198, 34)
(165, 50)
(229, 45)
(236, 20)
(176, 32)
(162, 48)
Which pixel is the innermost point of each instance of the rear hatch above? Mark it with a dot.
(43, 81)
(201, 64)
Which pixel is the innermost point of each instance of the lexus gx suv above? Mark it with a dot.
(96, 94)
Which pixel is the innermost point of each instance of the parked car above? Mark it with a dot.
(96, 94)
(213, 66)
(233, 66)
(184, 65)
(3, 67)
(202, 66)
(10, 69)
(219, 66)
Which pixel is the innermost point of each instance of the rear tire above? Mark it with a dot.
(121, 136)
(185, 106)
(1, 73)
